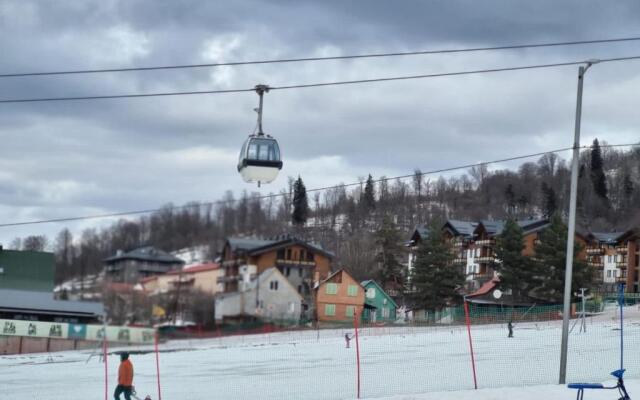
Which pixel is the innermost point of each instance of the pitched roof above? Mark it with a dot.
(196, 268)
(495, 227)
(462, 228)
(147, 253)
(255, 246)
(606, 237)
(44, 303)
(486, 287)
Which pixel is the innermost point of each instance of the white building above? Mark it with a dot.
(270, 297)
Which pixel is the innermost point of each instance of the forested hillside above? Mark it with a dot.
(347, 220)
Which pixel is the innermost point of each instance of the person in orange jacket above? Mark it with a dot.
(125, 378)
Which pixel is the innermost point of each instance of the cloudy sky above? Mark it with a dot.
(87, 157)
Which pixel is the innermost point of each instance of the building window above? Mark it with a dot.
(273, 285)
(332, 288)
(309, 256)
(609, 257)
(292, 307)
(371, 293)
(287, 271)
(301, 255)
(300, 272)
(609, 274)
(385, 313)
(352, 290)
(289, 254)
(384, 301)
(280, 254)
(299, 288)
(330, 309)
(349, 311)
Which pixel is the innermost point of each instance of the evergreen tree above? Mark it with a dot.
(550, 259)
(515, 269)
(388, 243)
(550, 200)
(435, 279)
(300, 203)
(598, 178)
(369, 196)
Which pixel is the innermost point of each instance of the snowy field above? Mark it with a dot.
(396, 363)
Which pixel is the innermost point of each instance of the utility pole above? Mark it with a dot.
(566, 310)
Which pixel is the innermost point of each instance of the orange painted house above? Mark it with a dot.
(339, 298)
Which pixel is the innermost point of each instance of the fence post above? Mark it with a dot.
(473, 361)
(157, 365)
(106, 367)
(355, 325)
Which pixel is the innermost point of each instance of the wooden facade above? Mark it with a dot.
(339, 298)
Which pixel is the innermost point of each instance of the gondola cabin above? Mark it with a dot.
(259, 159)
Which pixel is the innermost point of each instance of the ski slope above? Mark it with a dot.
(397, 363)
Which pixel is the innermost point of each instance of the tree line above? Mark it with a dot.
(376, 214)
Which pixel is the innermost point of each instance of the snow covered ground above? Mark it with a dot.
(396, 363)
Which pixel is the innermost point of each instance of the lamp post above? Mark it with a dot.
(572, 225)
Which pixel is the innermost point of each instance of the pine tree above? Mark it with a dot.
(300, 203)
(369, 196)
(598, 178)
(550, 259)
(435, 279)
(515, 269)
(388, 243)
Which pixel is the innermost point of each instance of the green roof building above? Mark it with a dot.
(378, 306)
(26, 270)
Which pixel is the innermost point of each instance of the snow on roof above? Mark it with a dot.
(43, 302)
(607, 237)
(147, 253)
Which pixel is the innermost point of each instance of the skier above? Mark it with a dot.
(347, 339)
(510, 327)
(125, 378)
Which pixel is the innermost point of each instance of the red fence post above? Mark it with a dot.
(106, 368)
(355, 325)
(473, 361)
(158, 365)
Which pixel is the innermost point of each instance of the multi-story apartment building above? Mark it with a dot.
(140, 263)
(473, 244)
(615, 256)
(302, 263)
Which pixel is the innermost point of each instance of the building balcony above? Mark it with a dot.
(595, 264)
(295, 263)
(621, 279)
(460, 260)
(621, 249)
(485, 259)
(485, 242)
(595, 250)
(458, 243)
(621, 264)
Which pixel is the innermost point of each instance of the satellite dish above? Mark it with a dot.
(497, 293)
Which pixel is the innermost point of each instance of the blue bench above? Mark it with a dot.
(620, 386)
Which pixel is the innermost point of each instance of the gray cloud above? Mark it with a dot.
(73, 158)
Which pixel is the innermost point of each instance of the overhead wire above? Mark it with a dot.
(318, 84)
(276, 195)
(324, 58)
